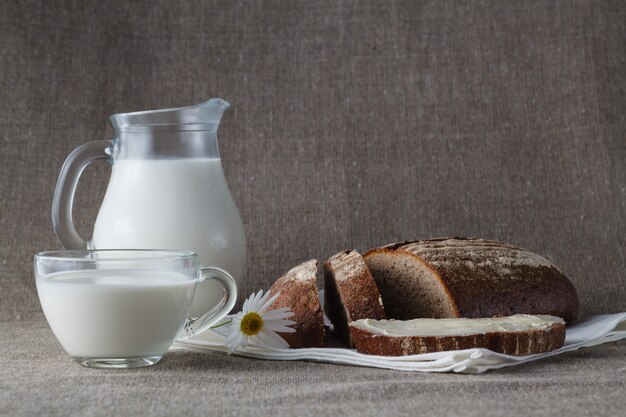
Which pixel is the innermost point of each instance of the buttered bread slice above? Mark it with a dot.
(520, 334)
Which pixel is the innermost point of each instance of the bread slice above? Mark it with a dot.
(350, 292)
(298, 291)
(514, 335)
(456, 277)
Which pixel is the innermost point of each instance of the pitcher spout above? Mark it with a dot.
(204, 116)
(214, 108)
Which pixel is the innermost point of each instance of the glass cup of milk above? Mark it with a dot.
(125, 308)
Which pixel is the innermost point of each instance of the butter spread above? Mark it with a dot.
(456, 327)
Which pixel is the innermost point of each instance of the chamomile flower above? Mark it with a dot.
(256, 326)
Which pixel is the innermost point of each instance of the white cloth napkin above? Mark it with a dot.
(584, 333)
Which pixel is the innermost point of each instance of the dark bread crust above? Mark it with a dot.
(350, 292)
(486, 278)
(509, 343)
(298, 291)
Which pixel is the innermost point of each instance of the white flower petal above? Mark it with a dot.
(277, 315)
(232, 337)
(261, 299)
(250, 303)
(281, 322)
(281, 310)
(255, 301)
(285, 321)
(234, 343)
(270, 339)
(244, 341)
(267, 303)
(279, 328)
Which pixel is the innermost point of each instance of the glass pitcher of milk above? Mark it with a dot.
(167, 191)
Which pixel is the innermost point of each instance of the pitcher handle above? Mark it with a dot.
(192, 326)
(63, 199)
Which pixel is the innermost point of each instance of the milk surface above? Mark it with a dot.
(174, 204)
(115, 313)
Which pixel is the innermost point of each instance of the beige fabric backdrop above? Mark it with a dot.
(353, 124)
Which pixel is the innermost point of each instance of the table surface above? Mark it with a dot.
(38, 378)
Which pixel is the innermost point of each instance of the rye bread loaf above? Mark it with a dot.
(456, 277)
(350, 292)
(298, 291)
(513, 335)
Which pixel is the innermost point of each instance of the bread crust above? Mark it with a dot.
(298, 291)
(520, 343)
(486, 278)
(347, 276)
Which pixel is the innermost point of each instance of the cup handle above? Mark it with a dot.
(63, 199)
(196, 326)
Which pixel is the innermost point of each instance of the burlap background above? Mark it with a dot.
(353, 124)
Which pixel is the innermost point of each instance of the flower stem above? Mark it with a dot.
(221, 324)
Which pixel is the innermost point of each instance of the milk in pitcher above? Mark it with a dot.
(148, 204)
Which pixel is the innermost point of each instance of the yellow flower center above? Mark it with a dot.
(251, 324)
